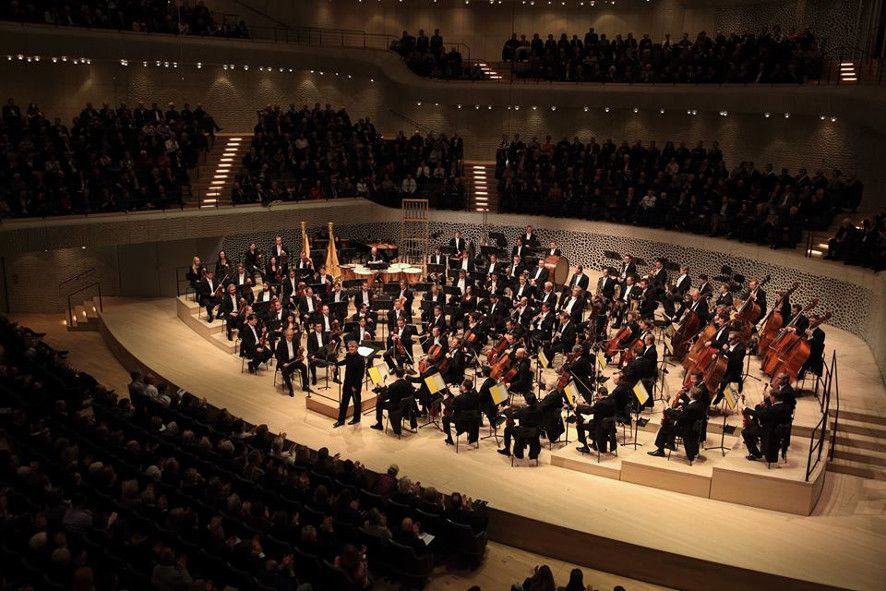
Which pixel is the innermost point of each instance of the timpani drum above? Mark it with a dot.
(347, 272)
(558, 269)
(412, 275)
(364, 273)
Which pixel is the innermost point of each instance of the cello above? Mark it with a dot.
(770, 360)
(688, 328)
(773, 322)
(749, 311)
(796, 352)
(695, 352)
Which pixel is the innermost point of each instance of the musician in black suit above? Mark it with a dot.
(208, 290)
(704, 286)
(547, 295)
(243, 280)
(362, 333)
(579, 279)
(289, 360)
(677, 292)
(699, 305)
(308, 305)
(355, 368)
(520, 249)
(436, 319)
(396, 313)
(437, 257)
(606, 284)
(278, 249)
(542, 327)
(628, 268)
(405, 294)
(529, 237)
(648, 299)
(496, 312)
(553, 249)
(765, 419)
(400, 397)
(756, 293)
(493, 265)
(523, 289)
(251, 345)
(457, 242)
(487, 404)
(513, 271)
(290, 289)
(681, 421)
(603, 408)
(582, 371)
(252, 262)
(724, 296)
(364, 296)
(522, 382)
(799, 320)
(526, 432)
(574, 304)
(782, 385)
(735, 354)
(318, 350)
(465, 413)
(721, 337)
(230, 309)
(539, 275)
(399, 345)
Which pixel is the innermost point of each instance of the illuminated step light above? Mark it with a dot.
(815, 252)
(213, 194)
(207, 206)
(209, 200)
(226, 159)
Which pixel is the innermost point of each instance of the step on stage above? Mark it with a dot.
(642, 517)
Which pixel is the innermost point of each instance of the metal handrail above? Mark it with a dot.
(835, 426)
(818, 436)
(79, 275)
(82, 289)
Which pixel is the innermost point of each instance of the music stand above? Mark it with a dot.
(730, 429)
(436, 268)
(638, 422)
(447, 249)
(421, 287)
(391, 288)
(349, 283)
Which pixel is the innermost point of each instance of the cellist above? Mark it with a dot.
(734, 351)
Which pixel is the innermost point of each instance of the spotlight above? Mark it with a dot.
(418, 103)
(767, 115)
(553, 107)
(199, 65)
(822, 117)
(661, 111)
(787, 115)
(605, 109)
(833, 119)
(636, 110)
(724, 113)
(587, 109)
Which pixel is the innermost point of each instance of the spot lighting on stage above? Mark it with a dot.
(534, 108)
(724, 113)
(833, 118)
(553, 107)
(605, 109)
(661, 111)
(418, 103)
(767, 115)
(199, 65)
(822, 117)
(458, 106)
(477, 107)
(636, 110)
(586, 109)
(787, 115)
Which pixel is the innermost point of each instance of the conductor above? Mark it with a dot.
(355, 367)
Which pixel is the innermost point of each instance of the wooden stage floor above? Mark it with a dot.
(840, 545)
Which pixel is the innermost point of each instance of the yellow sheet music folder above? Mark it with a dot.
(668, 346)
(375, 376)
(499, 393)
(543, 359)
(730, 397)
(571, 392)
(601, 361)
(435, 383)
(641, 393)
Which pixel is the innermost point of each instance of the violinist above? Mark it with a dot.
(475, 334)
(364, 296)
(252, 261)
(397, 313)
(495, 314)
(464, 411)
(253, 343)
(603, 408)
(546, 295)
(318, 351)
(454, 361)
(764, 419)
(291, 289)
(290, 357)
(208, 292)
(308, 305)
(564, 336)
(243, 281)
(364, 313)
(405, 294)
(230, 309)
(522, 381)
(734, 351)
(399, 396)
(399, 345)
(681, 421)
(526, 432)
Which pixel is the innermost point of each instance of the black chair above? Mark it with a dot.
(307, 565)
(332, 577)
(468, 423)
(781, 441)
(471, 546)
(695, 431)
(370, 500)
(408, 568)
(606, 434)
(311, 516)
(396, 512)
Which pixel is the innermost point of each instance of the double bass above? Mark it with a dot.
(696, 351)
(749, 311)
(796, 350)
(770, 359)
(687, 329)
(773, 322)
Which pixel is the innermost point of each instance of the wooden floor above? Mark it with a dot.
(840, 545)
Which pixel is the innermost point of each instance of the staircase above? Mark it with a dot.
(84, 316)
(215, 175)
(480, 177)
(848, 72)
(860, 446)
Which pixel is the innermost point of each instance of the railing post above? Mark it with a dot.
(70, 313)
(101, 307)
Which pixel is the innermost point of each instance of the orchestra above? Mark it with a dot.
(493, 314)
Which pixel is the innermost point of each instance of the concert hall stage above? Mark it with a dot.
(569, 507)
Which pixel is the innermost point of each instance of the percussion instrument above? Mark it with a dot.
(412, 275)
(558, 269)
(347, 272)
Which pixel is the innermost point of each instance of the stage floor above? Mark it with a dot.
(840, 545)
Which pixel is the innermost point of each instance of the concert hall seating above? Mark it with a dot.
(771, 57)
(110, 159)
(161, 490)
(147, 16)
(673, 186)
(319, 153)
(427, 56)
